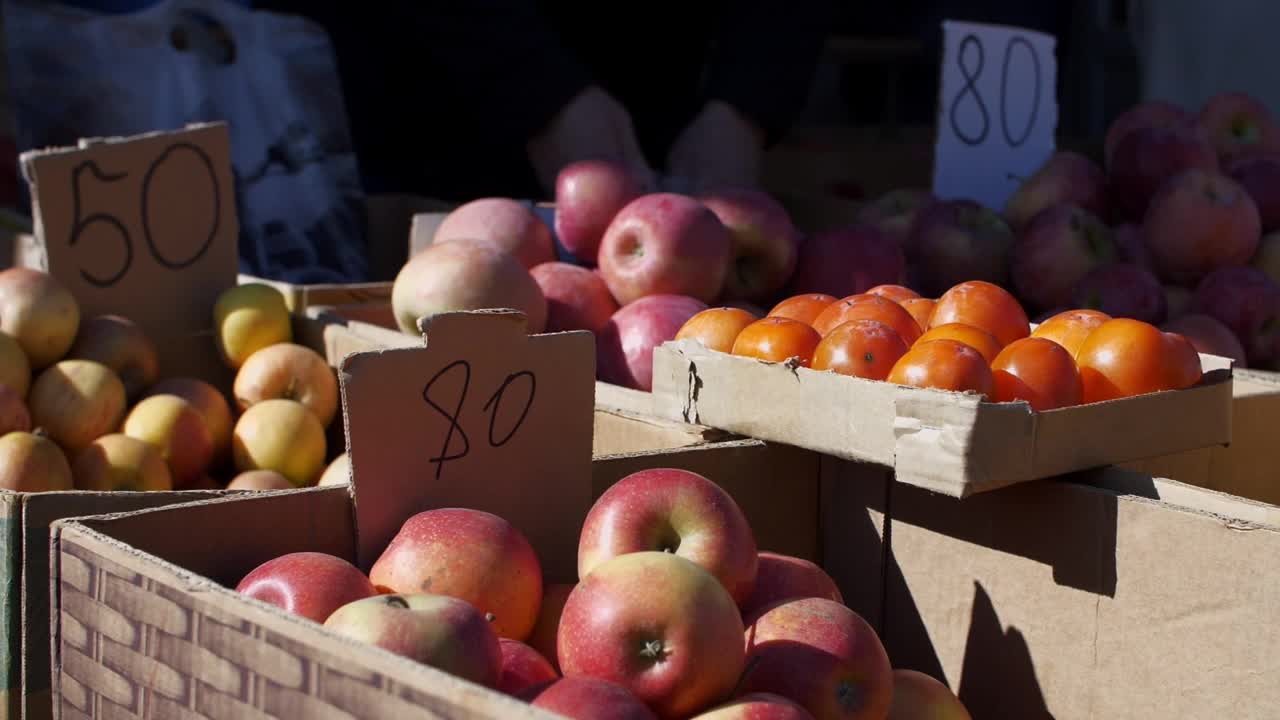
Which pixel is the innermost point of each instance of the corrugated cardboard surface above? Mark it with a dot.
(1250, 465)
(951, 443)
(1108, 595)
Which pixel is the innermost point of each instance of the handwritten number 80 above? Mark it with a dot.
(492, 406)
(971, 57)
(81, 223)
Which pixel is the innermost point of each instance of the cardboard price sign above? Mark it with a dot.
(997, 111)
(483, 416)
(144, 226)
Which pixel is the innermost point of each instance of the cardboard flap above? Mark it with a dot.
(144, 227)
(481, 416)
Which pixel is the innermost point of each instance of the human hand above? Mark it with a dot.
(593, 125)
(720, 147)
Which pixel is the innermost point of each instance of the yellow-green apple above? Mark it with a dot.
(1237, 123)
(657, 624)
(1055, 251)
(959, 240)
(848, 261)
(1131, 247)
(471, 555)
(465, 274)
(1259, 175)
(674, 511)
(1153, 113)
(588, 698)
(665, 244)
(208, 401)
(15, 371)
(259, 480)
(443, 632)
(1122, 291)
(14, 415)
(40, 313)
(338, 472)
(292, 372)
(522, 667)
(508, 224)
(758, 706)
(783, 577)
(120, 344)
(31, 462)
(177, 428)
(310, 584)
(765, 243)
(1247, 301)
(247, 318)
(822, 655)
(895, 213)
(1066, 178)
(624, 349)
(1197, 222)
(577, 298)
(917, 696)
(76, 401)
(281, 435)
(543, 636)
(1267, 258)
(120, 462)
(589, 193)
(1145, 158)
(1208, 336)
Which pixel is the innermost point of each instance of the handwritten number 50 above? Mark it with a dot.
(971, 57)
(81, 223)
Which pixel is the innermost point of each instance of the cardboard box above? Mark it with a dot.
(953, 443)
(300, 297)
(1108, 594)
(147, 624)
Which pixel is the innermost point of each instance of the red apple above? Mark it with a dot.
(1131, 247)
(960, 240)
(822, 655)
(783, 577)
(1145, 158)
(443, 632)
(917, 696)
(765, 242)
(657, 624)
(1178, 301)
(1122, 291)
(1150, 114)
(1208, 336)
(757, 706)
(543, 637)
(1247, 301)
(310, 584)
(1259, 175)
(1197, 222)
(507, 223)
(665, 244)
(1237, 122)
(674, 511)
(895, 212)
(1267, 258)
(40, 313)
(120, 344)
(588, 698)
(577, 298)
(848, 262)
(624, 349)
(1056, 250)
(471, 555)
(589, 193)
(465, 275)
(1066, 178)
(522, 667)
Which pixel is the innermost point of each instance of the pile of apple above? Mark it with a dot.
(1177, 227)
(82, 405)
(676, 614)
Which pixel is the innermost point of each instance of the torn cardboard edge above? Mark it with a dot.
(953, 443)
